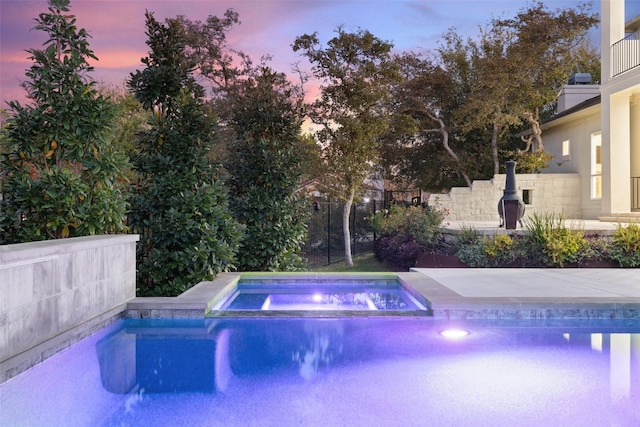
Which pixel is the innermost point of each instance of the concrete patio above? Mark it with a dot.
(513, 293)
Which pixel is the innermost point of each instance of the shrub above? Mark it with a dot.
(472, 253)
(533, 162)
(625, 245)
(552, 241)
(407, 232)
(497, 245)
(501, 250)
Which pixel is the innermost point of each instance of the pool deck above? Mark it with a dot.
(528, 293)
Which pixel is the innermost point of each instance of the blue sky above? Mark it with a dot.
(267, 27)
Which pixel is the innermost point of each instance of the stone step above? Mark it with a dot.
(622, 217)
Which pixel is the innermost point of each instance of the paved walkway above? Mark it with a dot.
(531, 293)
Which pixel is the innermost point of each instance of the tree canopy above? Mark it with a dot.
(475, 93)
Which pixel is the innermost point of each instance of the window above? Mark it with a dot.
(527, 196)
(565, 148)
(596, 166)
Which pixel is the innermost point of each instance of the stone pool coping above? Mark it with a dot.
(451, 294)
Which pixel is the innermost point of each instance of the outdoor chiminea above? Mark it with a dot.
(510, 206)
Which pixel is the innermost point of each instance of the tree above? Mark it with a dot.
(422, 146)
(61, 175)
(206, 47)
(265, 165)
(187, 232)
(355, 70)
(541, 56)
(130, 119)
(489, 101)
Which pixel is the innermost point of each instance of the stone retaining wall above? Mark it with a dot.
(547, 193)
(56, 291)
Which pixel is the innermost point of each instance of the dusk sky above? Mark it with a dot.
(267, 27)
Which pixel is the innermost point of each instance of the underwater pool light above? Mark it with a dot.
(317, 297)
(454, 333)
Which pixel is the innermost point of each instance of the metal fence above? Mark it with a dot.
(325, 244)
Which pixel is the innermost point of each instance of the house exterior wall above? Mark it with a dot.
(550, 193)
(577, 129)
(619, 113)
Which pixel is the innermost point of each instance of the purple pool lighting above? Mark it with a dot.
(454, 333)
(322, 295)
(355, 371)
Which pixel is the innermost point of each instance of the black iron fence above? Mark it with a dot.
(625, 54)
(325, 244)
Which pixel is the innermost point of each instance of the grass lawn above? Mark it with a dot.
(361, 263)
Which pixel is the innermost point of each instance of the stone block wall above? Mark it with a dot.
(52, 291)
(546, 194)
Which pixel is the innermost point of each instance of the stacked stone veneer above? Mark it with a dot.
(549, 193)
(54, 292)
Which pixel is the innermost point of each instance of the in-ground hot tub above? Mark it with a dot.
(318, 294)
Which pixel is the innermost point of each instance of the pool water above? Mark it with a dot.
(321, 295)
(372, 371)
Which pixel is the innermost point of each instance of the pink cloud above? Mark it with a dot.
(267, 27)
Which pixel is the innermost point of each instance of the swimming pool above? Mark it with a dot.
(364, 371)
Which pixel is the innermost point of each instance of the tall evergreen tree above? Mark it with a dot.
(61, 176)
(265, 166)
(187, 232)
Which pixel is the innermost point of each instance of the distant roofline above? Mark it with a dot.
(633, 25)
(578, 107)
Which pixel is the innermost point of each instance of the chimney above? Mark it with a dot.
(578, 90)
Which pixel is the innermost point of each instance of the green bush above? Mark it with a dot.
(533, 162)
(420, 224)
(472, 254)
(497, 245)
(625, 245)
(404, 233)
(500, 250)
(551, 241)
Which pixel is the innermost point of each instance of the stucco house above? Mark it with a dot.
(594, 139)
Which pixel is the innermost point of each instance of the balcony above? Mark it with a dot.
(625, 54)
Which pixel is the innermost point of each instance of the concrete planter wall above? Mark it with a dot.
(54, 292)
(546, 194)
